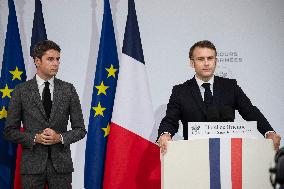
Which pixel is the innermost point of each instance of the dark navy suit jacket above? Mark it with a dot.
(186, 104)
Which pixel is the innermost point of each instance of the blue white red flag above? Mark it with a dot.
(132, 159)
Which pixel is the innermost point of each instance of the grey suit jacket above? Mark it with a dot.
(26, 107)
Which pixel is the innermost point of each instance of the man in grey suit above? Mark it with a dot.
(43, 106)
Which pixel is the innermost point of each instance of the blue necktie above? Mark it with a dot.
(46, 99)
(208, 98)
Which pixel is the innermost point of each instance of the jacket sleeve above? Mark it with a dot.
(170, 123)
(13, 122)
(249, 112)
(76, 118)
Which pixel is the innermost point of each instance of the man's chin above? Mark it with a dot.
(209, 75)
(204, 78)
(53, 73)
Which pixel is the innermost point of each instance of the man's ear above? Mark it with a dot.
(37, 61)
(191, 62)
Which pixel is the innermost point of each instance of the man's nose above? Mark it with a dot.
(56, 62)
(206, 61)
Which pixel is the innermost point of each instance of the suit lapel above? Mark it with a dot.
(217, 88)
(36, 96)
(195, 91)
(56, 98)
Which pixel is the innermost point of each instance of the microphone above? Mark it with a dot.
(277, 172)
(212, 114)
(227, 114)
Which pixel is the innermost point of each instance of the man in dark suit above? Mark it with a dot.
(43, 106)
(193, 100)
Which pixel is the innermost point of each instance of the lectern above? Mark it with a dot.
(218, 163)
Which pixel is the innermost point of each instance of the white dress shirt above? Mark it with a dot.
(40, 85)
(202, 89)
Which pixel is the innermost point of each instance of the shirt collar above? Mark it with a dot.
(200, 82)
(40, 81)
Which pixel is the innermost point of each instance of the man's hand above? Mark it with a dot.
(163, 142)
(275, 138)
(48, 137)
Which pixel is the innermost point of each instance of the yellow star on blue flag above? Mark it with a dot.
(111, 71)
(16, 74)
(3, 113)
(106, 130)
(102, 88)
(99, 110)
(6, 91)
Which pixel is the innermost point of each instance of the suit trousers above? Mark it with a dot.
(49, 177)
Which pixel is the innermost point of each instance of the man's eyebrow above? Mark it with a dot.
(52, 57)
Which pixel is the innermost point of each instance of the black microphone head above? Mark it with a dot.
(227, 113)
(277, 172)
(212, 114)
(279, 160)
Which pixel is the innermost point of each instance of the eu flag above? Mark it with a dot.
(102, 103)
(12, 73)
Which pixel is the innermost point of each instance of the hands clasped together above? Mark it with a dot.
(48, 137)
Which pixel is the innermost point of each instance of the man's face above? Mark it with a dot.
(204, 63)
(48, 65)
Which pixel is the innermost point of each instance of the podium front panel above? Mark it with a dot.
(217, 163)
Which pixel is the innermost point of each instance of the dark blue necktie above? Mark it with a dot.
(208, 97)
(46, 99)
(47, 104)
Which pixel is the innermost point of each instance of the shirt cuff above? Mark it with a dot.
(34, 140)
(165, 133)
(268, 133)
(61, 139)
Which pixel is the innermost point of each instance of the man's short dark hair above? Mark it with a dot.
(202, 44)
(41, 47)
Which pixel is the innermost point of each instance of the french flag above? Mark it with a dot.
(132, 160)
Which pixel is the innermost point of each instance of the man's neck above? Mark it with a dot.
(204, 79)
(45, 78)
